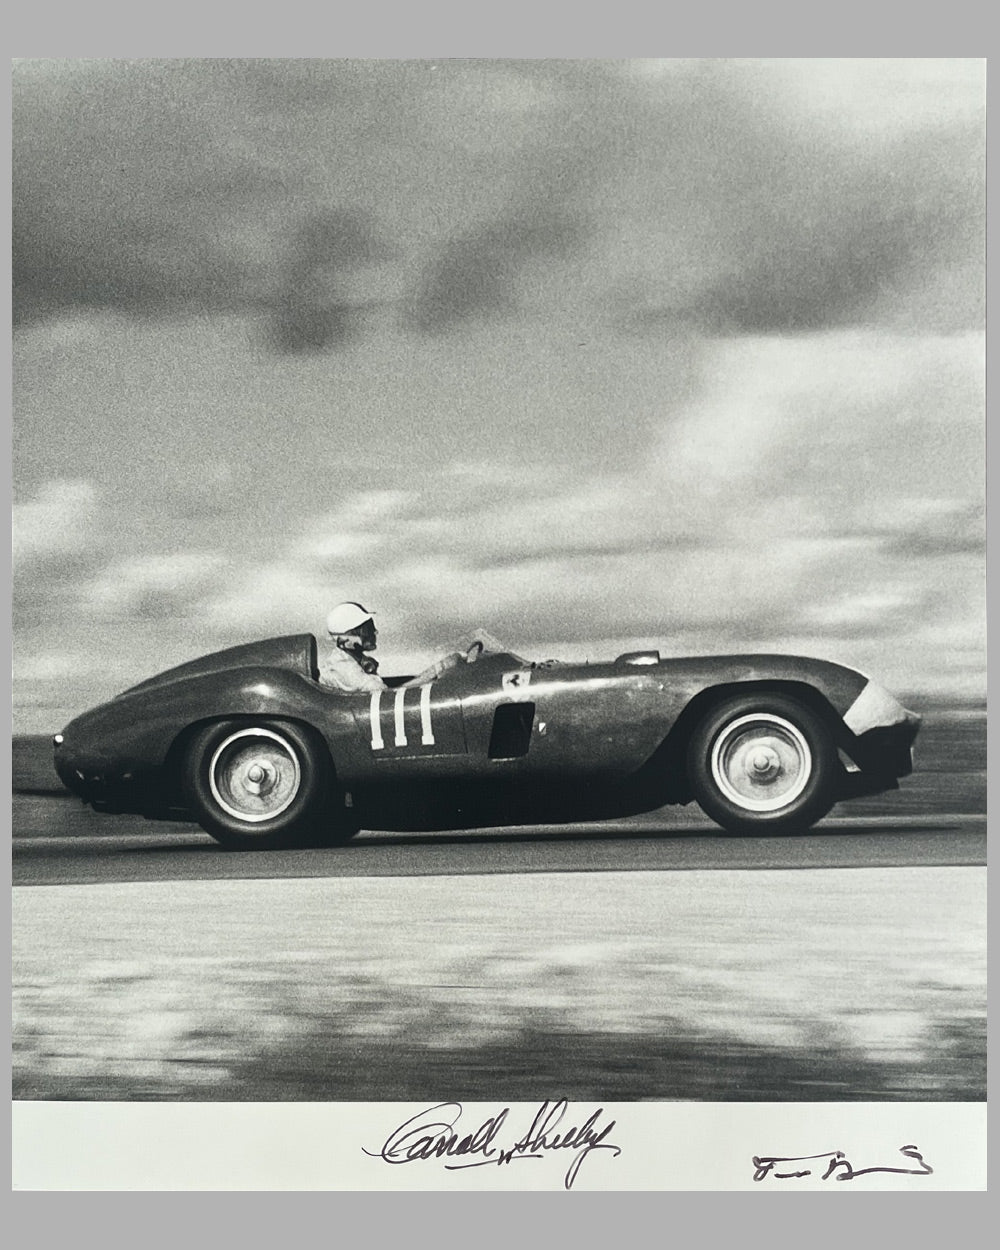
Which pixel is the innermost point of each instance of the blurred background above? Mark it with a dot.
(595, 354)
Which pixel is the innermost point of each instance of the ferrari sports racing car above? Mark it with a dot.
(250, 745)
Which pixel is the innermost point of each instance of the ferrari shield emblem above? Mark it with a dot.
(515, 685)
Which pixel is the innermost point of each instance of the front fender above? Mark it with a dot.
(838, 685)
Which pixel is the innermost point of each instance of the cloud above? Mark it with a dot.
(280, 597)
(744, 529)
(55, 666)
(353, 532)
(311, 313)
(55, 524)
(824, 487)
(829, 246)
(56, 542)
(732, 196)
(739, 196)
(149, 588)
(835, 425)
(877, 611)
(476, 274)
(925, 528)
(153, 187)
(684, 352)
(790, 202)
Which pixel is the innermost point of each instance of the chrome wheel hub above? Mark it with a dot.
(765, 763)
(260, 778)
(761, 762)
(254, 775)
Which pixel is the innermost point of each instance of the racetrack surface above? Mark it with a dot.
(56, 841)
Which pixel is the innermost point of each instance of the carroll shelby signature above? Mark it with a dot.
(838, 1166)
(431, 1135)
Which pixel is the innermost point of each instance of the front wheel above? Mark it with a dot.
(259, 785)
(763, 764)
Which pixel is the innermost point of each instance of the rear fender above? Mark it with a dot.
(172, 771)
(130, 739)
(149, 720)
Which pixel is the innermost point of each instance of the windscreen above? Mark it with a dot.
(491, 645)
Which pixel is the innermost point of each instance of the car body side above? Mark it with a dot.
(602, 739)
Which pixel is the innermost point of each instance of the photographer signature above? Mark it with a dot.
(838, 1166)
(431, 1135)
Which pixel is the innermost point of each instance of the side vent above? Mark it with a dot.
(511, 735)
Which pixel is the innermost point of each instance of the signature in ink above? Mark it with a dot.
(839, 1167)
(431, 1135)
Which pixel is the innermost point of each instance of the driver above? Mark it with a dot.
(347, 667)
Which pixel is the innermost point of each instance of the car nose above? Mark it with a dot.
(875, 707)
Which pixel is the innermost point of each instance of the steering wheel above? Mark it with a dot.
(474, 652)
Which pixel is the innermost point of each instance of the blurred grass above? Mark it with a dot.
(535, 1064)
(813, 985)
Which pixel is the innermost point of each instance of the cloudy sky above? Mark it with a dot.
(597, 354)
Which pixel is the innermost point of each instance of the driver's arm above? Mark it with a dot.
(436, 669)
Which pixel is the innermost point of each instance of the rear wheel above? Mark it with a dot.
(261, 785)
(763, 764)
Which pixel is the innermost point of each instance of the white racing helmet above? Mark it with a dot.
(346, 617)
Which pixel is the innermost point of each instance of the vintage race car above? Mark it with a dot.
(248, 743)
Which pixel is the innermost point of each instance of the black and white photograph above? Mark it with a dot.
(498, 625)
